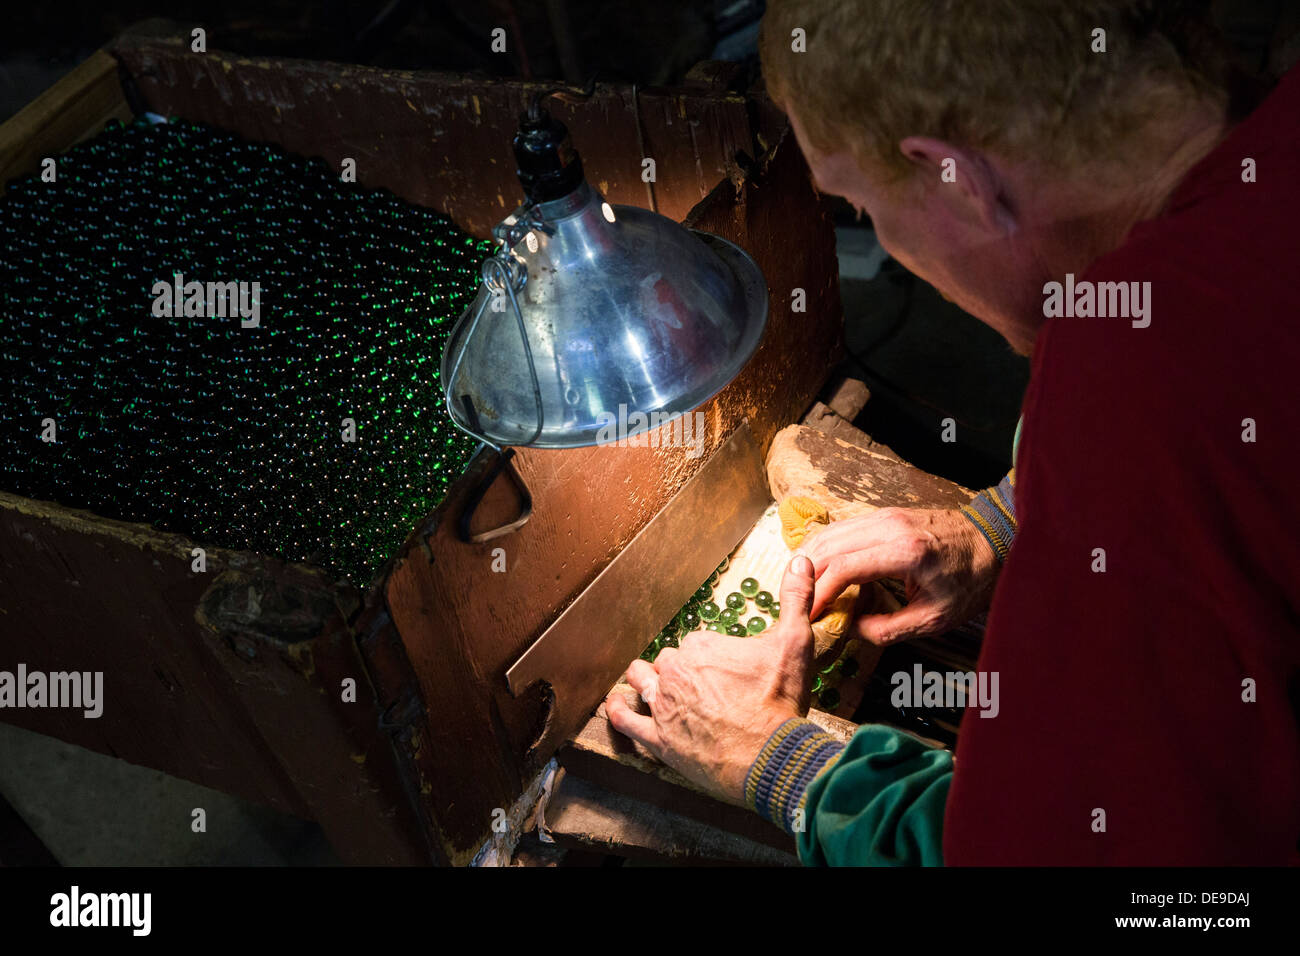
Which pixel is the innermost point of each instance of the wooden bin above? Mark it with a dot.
(232, 678)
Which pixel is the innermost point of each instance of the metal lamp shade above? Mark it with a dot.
(622, 307)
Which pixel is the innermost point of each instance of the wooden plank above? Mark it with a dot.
(826, 420)
(463, 625)
(581, 814)
(74, 108)
(849, 480)
(444, 140)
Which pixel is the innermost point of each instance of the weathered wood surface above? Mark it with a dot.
(583, 815)
(444, 140)
(74, 108)
(844, 401)
(231, 678)
(850, 480)
(463, 625)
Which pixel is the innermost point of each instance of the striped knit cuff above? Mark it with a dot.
(994, 513)
(796, 752)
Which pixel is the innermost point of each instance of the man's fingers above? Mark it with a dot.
(918, 619)
(638, 727)
(856, 567)
(797, 587)
(644, 679)
(853, 534)
(835, 538)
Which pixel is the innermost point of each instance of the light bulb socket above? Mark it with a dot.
(548, 166)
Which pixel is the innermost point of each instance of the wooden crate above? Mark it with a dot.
(232, 678)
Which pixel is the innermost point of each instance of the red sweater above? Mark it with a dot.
(1123, 691)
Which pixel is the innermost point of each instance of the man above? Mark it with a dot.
(1075, 174)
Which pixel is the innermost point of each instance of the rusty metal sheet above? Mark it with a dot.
(611, 622)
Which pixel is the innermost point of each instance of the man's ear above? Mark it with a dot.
(975, 189)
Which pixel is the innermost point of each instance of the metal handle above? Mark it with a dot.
(502, 464)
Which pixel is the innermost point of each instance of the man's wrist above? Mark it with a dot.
(795, 753)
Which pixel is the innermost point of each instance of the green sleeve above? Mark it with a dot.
(877, 801)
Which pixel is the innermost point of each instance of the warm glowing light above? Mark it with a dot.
(608, 210)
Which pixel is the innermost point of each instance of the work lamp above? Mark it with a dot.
(587, 307)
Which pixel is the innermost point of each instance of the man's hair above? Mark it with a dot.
(1014, 77)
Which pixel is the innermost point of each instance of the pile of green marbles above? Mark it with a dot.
(735, 616)
(235, 436)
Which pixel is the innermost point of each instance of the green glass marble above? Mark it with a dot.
(709, 611)
(715, 626)
(830, 698)
(690, 620)
(735, 600)
(764, 600)
(736, 630)
(749, 587)
(712, 582)
(704, 593)
(755, 625)
(726, 563)
(775, 609)
(729, 615)
(817, 686)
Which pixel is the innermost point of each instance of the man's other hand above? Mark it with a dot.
(948, 567)
(715, 700)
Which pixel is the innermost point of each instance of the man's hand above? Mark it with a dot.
(715, 700)
(948, 567)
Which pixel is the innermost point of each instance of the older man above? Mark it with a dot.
(1077, 175)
